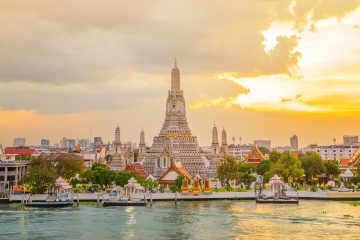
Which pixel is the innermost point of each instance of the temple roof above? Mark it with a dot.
(11, 150)
(255, 155)
(138, 169)
(177, 168)
(356, 157)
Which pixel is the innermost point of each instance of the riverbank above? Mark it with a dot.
(335, 196)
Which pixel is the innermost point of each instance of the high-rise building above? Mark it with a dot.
(294, 143)
(45, 142)
(71, 143)
(19, 142)
(350, 139)
(84, 143)
(98, 141)
(175, 143)
(263, 143)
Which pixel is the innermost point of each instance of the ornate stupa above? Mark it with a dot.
(175, 143)
(117, 161)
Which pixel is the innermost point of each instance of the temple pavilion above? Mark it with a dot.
(175, 170)
(255, 156)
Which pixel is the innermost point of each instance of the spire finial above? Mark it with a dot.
(175, 63)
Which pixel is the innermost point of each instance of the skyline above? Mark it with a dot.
(98, 66)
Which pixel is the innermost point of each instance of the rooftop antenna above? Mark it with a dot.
(334, 140)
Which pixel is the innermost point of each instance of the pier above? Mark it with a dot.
(334, 196)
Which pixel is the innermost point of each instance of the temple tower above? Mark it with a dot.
(215, 142)
(175, 136)
(224, 146)
(117, 162)
(142, 146)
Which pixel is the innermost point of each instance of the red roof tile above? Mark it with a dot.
(9, 150)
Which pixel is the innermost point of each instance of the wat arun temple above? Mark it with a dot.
(175, 143)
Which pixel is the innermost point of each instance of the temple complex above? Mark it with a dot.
(175, 143)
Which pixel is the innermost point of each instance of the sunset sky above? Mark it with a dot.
(264, 69)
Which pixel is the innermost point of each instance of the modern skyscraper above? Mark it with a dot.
(263, 143)
(175, 141)
(294, 143)
(19, 142)
(45, 142)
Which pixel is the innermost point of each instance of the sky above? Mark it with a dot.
(262, 69)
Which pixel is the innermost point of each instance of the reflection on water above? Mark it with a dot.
(189, 220)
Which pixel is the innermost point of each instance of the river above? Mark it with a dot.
(189, 220)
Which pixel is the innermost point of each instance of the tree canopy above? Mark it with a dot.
(312, 164)
(227, 170)
(41, 174)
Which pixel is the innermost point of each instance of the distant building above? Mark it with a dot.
(239, 151)
(350, 139)
(11, 171)
(98, 141)
(67, 143)
(17, 151)
(45, 142)
(263, 143)
(282, 149)
(294, 143)
(19, 142)
(84, 143)
(332, 152)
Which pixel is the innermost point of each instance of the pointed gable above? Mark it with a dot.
(138, 169)
(175, 170)
(254, 156)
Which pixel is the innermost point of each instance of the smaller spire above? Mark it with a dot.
(175, 63)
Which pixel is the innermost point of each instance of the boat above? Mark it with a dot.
(109, 203)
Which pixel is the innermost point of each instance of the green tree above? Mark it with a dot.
(264, 150)
(286, 165)
(25, 157)
(178, 182)
(313, 165)
(246, 167)
(274, 156)
(263, 167)
(123, 177)
(68, 167)
(41, 174)
(246, 178)
(99, 174)
(227, 170)
(332, 169)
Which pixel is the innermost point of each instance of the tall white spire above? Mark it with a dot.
(223, 137)
(142, 137)
(117, 135)
(215, 139)
(175, 77)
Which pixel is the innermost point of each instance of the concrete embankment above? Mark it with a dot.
(338, 196)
